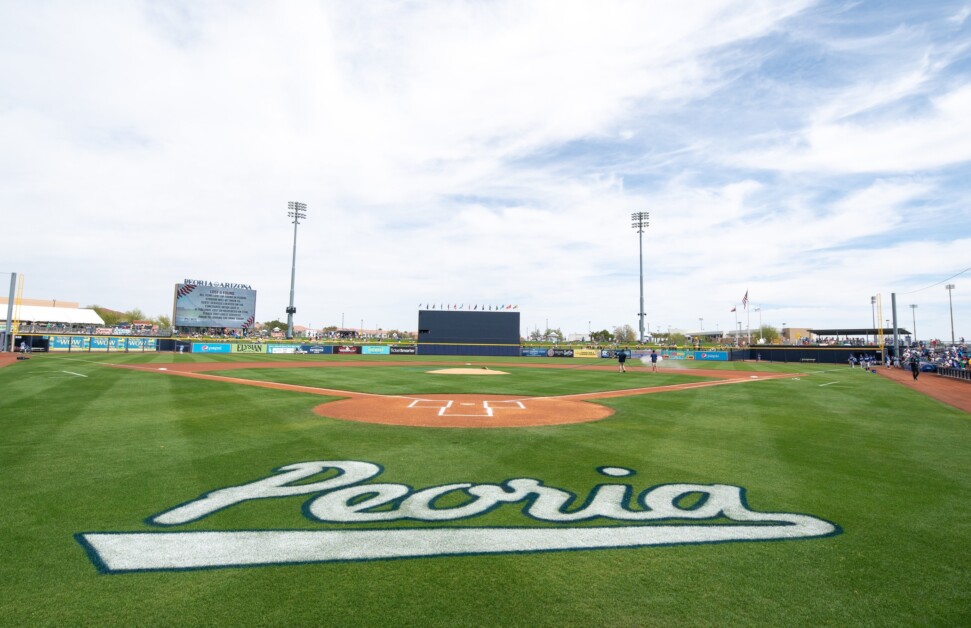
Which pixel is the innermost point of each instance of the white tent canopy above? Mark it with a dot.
(47, 314)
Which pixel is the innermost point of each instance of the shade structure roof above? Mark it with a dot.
(47, 314)
(859, 331)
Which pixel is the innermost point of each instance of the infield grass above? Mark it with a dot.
(90, 448)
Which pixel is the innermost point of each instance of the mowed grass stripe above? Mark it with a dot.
(104, 453)
(404, 380)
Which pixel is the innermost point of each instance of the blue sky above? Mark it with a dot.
(810, 153)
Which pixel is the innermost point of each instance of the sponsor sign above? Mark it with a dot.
(586, 353)
(98, 344)
(339, 495)
(247, 347)
(671, 354)
(560, 353)
(211, 347)
(347, 350)
(207, 304)
(376, 350)
(613, 353)
(282, 348)
(712, 356)
(403, 350)
(534, 352)
(315, 349)
(59, 343)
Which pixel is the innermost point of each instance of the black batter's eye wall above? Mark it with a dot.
(449, 332)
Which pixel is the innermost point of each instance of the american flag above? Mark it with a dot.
(745, 300)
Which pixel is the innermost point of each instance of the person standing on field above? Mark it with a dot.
(654, 360)
(621, 358)
(915, 366)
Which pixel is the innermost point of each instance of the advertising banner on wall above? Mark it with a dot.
(247, 347)
(282, 348)
(211, 347)
(59, 343)
(98, 344)
(672, 354)
(403, 350)
(586, 353)
(560, 353)
(534, 352)
(347, 350)
(712, 356)
(207, 304)
(376, 350)
(612, 353)
(316, 349)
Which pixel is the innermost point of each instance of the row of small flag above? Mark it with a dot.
(449, 306)
(744, 301)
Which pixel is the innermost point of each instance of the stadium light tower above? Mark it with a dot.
(297, 211)
(873, 314)
(950, 303)
(913, 312)
(639, 221)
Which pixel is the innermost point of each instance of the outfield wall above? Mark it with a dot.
(822, 355)
(89, 344)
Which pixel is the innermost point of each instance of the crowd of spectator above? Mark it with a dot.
(941, 356)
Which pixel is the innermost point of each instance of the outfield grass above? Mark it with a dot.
(88, 448)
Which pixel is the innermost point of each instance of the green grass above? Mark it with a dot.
(104, 452)
(406, 379)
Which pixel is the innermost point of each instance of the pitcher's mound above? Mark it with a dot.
(482, 371)
(464, 411)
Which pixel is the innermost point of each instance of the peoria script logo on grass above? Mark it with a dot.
(664, 516)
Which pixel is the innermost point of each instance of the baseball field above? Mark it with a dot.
(161, 489)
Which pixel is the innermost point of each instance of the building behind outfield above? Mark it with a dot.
(459, 332)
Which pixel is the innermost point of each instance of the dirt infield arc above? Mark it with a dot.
(452, 410)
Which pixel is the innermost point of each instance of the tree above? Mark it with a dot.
(535, 336)
(134, 314)
(602, 336)
(110, 317)
(624, 333)
(553, 334)
(770, 333)
(274, 324)
(163, 321)
(677, 339)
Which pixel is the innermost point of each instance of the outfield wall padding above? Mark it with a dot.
(470, 350)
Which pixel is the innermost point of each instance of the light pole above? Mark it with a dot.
(761, 334)
(297, 211)
(913, 311)
(639, 221)
(950, 303)
(701, 323)
(9, 337)
(873, 313)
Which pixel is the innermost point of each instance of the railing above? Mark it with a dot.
(953, 373)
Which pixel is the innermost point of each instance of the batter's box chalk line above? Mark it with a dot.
(449, 408)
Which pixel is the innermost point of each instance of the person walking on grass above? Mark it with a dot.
(621, 358)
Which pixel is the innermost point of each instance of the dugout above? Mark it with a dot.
(456, 332)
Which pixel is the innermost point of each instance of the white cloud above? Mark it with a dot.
(470, 151)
